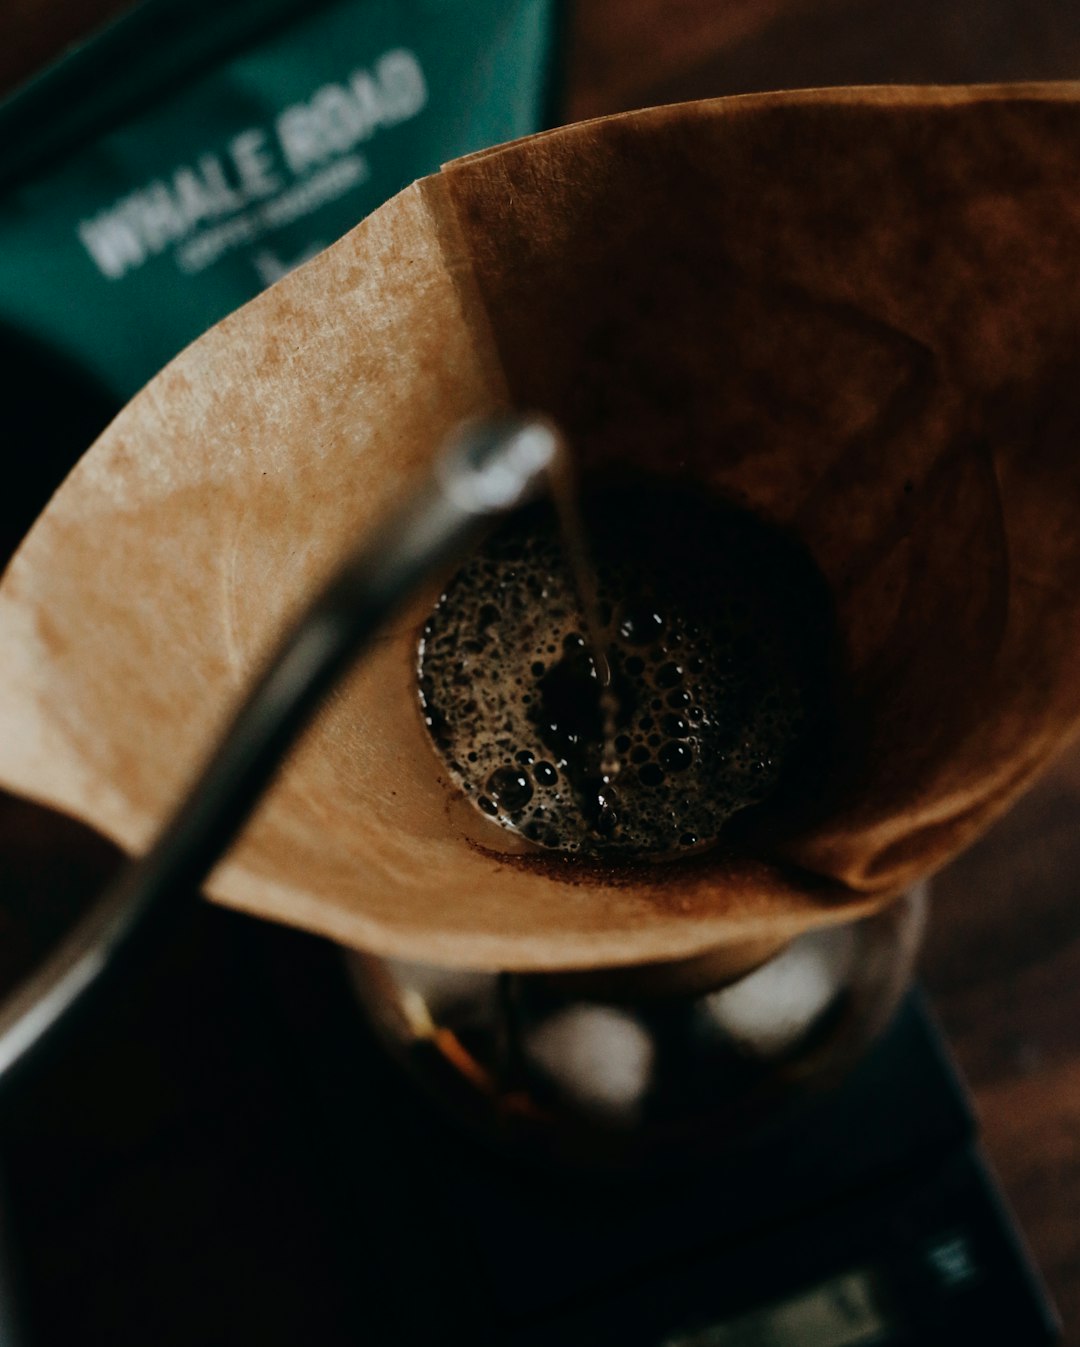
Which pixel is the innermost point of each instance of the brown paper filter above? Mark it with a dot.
(856, 312)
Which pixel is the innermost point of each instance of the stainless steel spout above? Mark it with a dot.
(487, 471)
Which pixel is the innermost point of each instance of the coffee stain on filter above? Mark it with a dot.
(845, 311)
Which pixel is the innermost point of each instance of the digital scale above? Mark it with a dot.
(261, 1172)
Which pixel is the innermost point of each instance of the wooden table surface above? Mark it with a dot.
(1003, 954)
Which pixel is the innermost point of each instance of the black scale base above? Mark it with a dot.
(220, 1154)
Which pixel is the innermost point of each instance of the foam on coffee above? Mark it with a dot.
(704, 617)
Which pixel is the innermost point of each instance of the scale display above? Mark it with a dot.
(842, 1312)
(871, 1305)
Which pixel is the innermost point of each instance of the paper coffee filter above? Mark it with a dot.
(855, 312)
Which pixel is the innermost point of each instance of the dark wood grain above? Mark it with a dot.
(34, 33)
(633, 53)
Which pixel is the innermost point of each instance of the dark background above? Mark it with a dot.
(1003, 954)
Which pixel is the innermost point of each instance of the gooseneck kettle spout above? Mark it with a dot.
(487, 471)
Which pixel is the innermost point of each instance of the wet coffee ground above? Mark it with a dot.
(714, 629)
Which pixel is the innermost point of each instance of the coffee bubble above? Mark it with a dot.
(714, 629)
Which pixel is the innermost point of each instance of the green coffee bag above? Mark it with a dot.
(190, 155)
